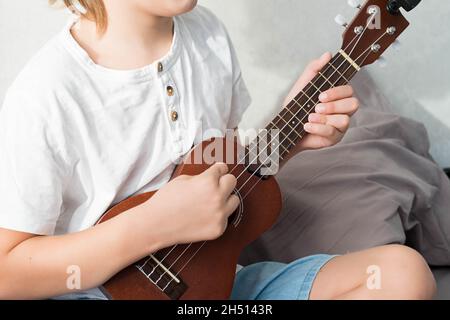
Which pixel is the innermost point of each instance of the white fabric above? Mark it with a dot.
(75, 137)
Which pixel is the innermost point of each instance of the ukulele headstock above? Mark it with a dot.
(372, 31)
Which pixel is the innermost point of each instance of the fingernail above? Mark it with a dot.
(323, 96)
(321, 108)
(308, 127)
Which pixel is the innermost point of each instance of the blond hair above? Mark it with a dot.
(94, 10)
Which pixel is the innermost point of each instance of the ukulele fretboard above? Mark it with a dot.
(286, 130)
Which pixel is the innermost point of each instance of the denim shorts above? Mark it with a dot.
(278, 281)
(260, 281)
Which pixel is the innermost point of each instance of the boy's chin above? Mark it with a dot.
(167, 8)
(185, 6)
(172, 8)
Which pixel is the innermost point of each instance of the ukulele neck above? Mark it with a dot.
(291, 120)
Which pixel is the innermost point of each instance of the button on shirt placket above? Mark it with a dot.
(171, 99)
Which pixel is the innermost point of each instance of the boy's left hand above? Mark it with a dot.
(331, 119)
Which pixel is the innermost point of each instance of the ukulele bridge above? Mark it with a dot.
(162, 277)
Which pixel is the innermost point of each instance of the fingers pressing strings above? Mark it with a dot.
(344, 106)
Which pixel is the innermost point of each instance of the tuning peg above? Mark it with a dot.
(381, 62)
(396, 45)
(354, 4)
(340, 20)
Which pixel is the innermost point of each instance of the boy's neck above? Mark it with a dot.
(131, 41)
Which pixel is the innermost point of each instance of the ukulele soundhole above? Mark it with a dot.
(160, 276)
(237, 216)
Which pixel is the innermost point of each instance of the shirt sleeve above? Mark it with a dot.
(31, 169)
(241, 99)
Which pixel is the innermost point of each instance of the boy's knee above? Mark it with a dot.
(408, 275)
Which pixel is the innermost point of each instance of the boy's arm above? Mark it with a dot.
(33, 267)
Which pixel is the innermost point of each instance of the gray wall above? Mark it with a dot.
(275, 39)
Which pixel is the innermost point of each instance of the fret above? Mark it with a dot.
(309, 98)
(302, 108)
(284, 148)
(279, 155)
(297, 103)
(294, 115)
(276, 152)
(296, 124)
(313, 95)
(288, 139)
(319, 83)
(348, 72)
(295, 107)
(281, 131)
(340, 72)
(326, 79)
(312, 83)
(289, 124)
(302, 114)
(284, 144)
(342, 76)
(310, 108)
(284, 154)
(292, 130)
(273, 124)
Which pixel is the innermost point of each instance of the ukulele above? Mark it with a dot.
(206, 270)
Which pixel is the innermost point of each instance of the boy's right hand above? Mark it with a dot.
(191, 209)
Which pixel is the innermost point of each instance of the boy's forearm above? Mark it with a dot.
(43, 267)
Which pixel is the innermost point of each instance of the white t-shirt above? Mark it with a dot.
(76, 138)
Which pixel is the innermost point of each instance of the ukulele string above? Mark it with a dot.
(369, 22)
(358, 37)
(173, 263)
(366, 53)
(201, 246)
(187, 263)
(158, 264)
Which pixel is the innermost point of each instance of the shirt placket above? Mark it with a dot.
(172, 110)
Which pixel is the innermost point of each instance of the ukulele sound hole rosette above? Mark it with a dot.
(239, 214)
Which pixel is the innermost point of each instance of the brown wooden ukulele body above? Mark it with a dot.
(211, 272)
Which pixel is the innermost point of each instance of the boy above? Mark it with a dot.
(104, 111)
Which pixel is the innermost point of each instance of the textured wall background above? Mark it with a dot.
(275, 39)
